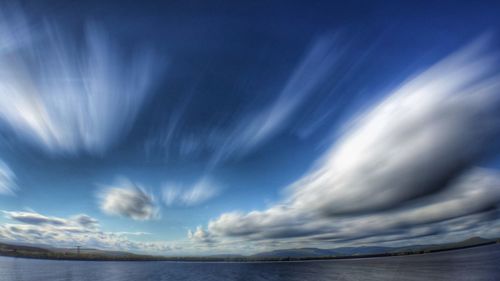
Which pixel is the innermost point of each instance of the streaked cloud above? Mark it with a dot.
(127, 199)
(200, 192)
(257, 127)
(249, 128)
(34, 218)
(412, 143)
(469, 205)
(66, 98)
(419, 146)
(7, 179)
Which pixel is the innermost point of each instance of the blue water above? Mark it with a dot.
(480, 263)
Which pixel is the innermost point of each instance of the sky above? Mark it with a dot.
(196, 127)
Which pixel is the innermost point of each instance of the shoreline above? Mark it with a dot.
(145, 258)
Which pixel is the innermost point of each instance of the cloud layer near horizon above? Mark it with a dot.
(35, 228)
(418, 146)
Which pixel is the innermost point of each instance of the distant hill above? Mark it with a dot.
(473, 241)
(371, 250)
(315, 252)
(226, 256)
(43, 252)
(90, 251)
(301, 252)
(4, 248)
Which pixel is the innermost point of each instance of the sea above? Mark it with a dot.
(478, 263)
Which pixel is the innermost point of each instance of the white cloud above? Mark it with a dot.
(127, 199)
(424, 134)
(200, 235)
(67, 98)
(403, 168)
(36, 228)
(200, 192)
(7, 179)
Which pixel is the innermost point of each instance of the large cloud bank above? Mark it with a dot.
(405, 168)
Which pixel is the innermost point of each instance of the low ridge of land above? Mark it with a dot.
(40, 252)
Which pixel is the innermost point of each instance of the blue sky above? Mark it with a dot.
(181, 127)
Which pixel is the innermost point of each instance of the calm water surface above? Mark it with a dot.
(480, 263)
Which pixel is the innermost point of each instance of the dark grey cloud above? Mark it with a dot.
(86, 221)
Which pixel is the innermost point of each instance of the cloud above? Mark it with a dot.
(200, 235)
(7, 179)
(201, 192)
(471, 202)
(254, 129)
(475, 192)
(136, 233)
(81, 229)
(422, 136)
(66, 98)
(405, 168)
(129, 200)
(85, 221)
(35, 218)
(255, 125)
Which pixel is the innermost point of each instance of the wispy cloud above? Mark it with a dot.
(254, 125)
(200, 192)
(64, 97)
(257, 127)
(418, 146)
(7, 179)
(127, 199)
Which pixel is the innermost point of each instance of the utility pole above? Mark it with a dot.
(78, 250)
